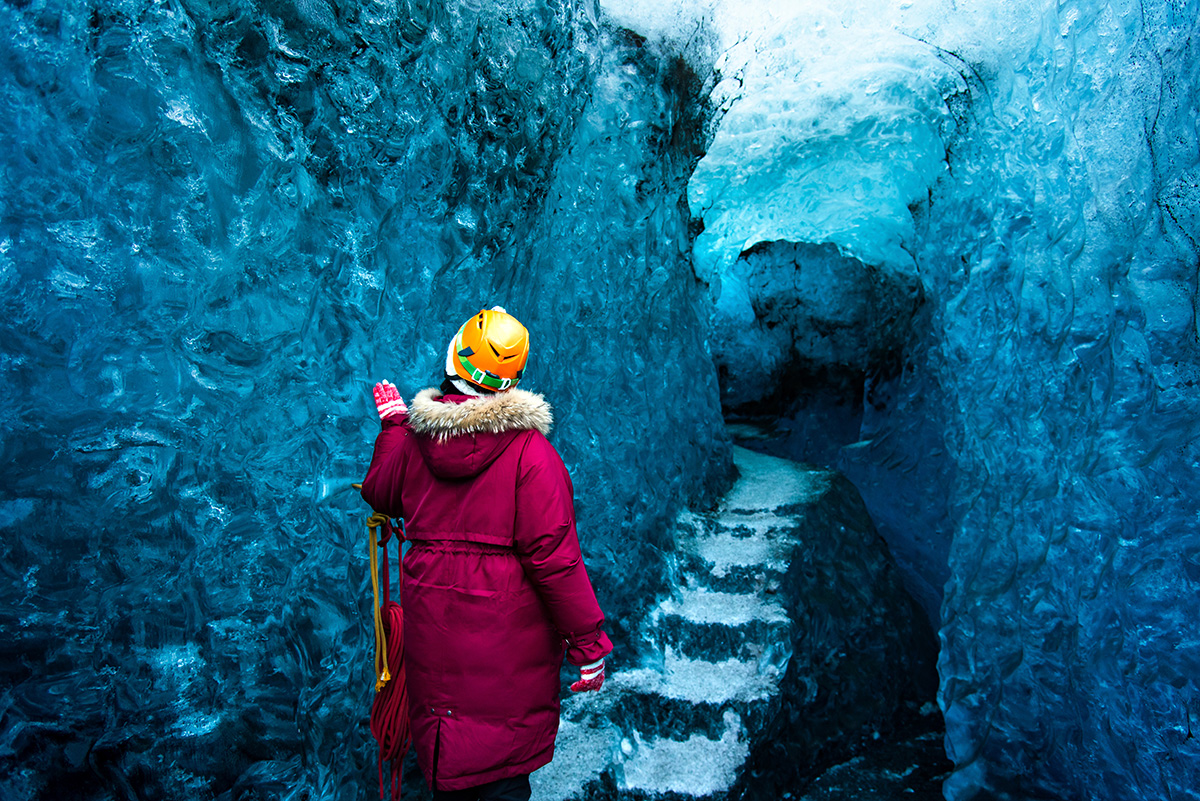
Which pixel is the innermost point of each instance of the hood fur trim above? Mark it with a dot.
(513, 410)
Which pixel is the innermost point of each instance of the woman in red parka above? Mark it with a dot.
(495, 588)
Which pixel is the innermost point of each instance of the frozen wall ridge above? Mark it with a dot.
(1057, 478)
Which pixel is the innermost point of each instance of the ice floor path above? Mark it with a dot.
(719, 645)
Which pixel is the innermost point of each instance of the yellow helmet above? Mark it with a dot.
(490, 350)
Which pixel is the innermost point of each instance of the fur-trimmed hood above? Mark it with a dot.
(514, 410)
(460, 436)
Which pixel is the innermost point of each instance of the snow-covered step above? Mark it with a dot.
(697, 766)
(768, 483)
(752, 533)
(719, 624)
(721, 553)
(699, 681)
(703, 606)
(586, 745)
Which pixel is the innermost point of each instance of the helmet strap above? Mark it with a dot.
(484, 379)
(453, 385)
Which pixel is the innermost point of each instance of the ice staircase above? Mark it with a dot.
(678, 725)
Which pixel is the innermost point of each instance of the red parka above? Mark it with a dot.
(494, 584)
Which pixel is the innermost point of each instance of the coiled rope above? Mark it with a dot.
(389, 711)
(374, 523)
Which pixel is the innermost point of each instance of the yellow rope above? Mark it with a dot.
(383, 675)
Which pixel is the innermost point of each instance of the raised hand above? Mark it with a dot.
(388, 400)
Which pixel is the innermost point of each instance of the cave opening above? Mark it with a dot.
(810, 346)
(806, 337)
(809, 415)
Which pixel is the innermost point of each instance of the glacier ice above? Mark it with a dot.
(220, 224)
(221, 220)
(1034, 446)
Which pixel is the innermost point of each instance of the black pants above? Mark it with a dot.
(514, 788)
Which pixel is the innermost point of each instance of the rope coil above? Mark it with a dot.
(389, 711)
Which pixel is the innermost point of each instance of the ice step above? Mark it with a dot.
(721, 559)
(719, 551)
(752, 534)
(696, 767)
(739, 524)
(719, 646)
(775, 483)
(699, 605)
(582, 750)
(698, 681)
(720, 625)
(693, 766)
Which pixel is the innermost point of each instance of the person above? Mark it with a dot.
(494, 588)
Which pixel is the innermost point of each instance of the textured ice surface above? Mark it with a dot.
(1064, 350)
(220, 223)
(778, 167)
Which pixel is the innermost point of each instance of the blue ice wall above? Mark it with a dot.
(1062, 260)
(1036, 448)
(220, 223)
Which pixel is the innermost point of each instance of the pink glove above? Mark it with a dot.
(591, 677)
(388, 400)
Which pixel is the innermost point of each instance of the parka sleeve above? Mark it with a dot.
(381, 488)
(548, 547)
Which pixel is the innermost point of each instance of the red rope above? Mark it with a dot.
(389, 711)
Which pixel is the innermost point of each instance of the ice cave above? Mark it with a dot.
(869, 326)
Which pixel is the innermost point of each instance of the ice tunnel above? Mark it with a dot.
(900, 293)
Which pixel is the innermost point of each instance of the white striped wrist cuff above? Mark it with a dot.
(592, 670)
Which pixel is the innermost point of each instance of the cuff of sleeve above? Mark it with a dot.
(589, 649)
